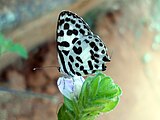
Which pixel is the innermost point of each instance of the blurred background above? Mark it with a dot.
(130, 29)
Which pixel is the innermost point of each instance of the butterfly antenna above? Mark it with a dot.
(40, 68)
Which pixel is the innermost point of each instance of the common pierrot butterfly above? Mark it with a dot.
(80, 51)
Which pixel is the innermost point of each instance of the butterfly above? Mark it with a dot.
(80, 51)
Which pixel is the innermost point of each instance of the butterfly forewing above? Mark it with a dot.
(80, 52)
(70, 27)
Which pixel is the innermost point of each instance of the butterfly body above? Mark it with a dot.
(80, 52)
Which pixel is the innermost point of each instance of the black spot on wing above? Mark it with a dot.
(106, 59)
(68, 13)
(90, 65)
(86, 27)
(78, 25)
(80, 21)
(66, 26)
(62, 13)
(79, 42)
(92, 57)
(69, 32)
(96, 48)
(79, 59)
(89, 37)
(96, 60)
(103, 52)
(74, 40)
(65, 52)
(100, 44)
(77, 65)
(71, 58)
(96, 55)
(87, 41)
(93, 71)
(79, 74)
(82, 31)
(85, 72)
(75, 32)
(97, 40)
(91, 52)
(61, 33)
(62, 61)
(63, 44)
(81, 68)
(61, 22)
(67, 19)
(70, 67)
(73, 21)
(92, 44)
(103, 67)
(77, 50)
(89, 33)
(96, 66)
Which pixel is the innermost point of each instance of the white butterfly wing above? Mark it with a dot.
(75, 55)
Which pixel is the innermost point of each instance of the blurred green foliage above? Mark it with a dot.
(156, 42)
(155, 24)
(155, 15)
(7, 45)
(147, 58)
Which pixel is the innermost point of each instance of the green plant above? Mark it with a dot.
(7, 45)
(98, 94)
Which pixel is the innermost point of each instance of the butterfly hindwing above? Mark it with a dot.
(80, 52)
(89, 55)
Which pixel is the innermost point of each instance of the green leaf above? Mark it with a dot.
(104, 94)
(7, 45)
(106, 85)
(98, 94)
(65, 114)
(19, 50)
(111, 105)
(69, 104)
(84, 92)
(94, 84)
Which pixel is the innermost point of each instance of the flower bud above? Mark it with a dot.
(70, 87)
